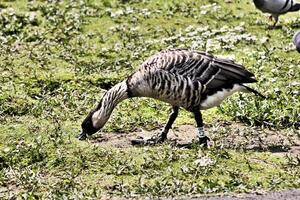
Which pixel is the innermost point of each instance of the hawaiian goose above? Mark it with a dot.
(182, 78)
(276, 7)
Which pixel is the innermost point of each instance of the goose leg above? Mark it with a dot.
(203, 139)
(163, 135)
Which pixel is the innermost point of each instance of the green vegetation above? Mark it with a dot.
(58, 57)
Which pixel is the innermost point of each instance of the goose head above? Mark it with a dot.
(93, 122)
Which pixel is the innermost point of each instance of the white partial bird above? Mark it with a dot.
(296, 40)
(276, 7)
(183, 78)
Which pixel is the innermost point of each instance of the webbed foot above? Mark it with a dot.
(204, 141)
(156, 139)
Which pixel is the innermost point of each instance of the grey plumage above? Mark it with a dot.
(296, 40)
(277, 7)
(183, 78)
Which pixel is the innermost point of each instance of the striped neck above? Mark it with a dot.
(107, 104)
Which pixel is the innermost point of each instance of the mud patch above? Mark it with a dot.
(222, 134)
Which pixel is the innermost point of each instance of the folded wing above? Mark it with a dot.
(210, 71)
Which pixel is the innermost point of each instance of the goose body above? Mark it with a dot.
(188, 79)
(183, 78)
(276, 7)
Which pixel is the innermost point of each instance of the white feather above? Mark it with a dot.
(218, 97)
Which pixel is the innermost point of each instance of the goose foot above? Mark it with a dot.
(156, 139)
(204, 141)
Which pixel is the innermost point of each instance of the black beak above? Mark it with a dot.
(82, 136)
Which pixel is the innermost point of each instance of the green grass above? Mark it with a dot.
(57, 59)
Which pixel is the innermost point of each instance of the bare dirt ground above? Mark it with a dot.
(226, 135)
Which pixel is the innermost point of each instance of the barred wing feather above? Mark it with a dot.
(211, 72)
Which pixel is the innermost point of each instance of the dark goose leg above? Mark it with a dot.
(203, 139)
(163, 135)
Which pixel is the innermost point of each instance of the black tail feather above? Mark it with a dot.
(295, 7)
(255, 92)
